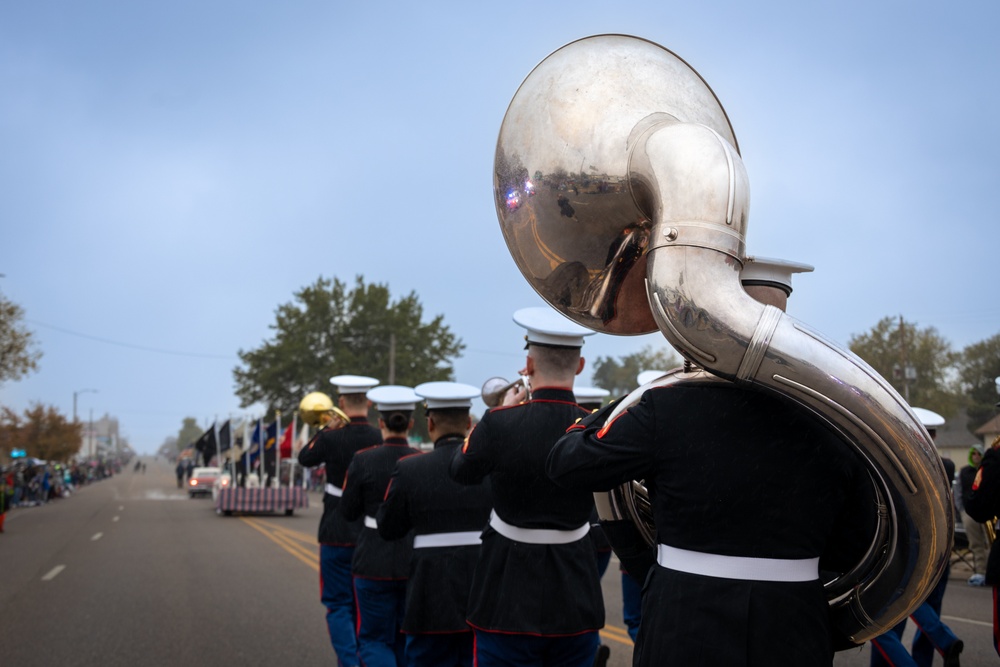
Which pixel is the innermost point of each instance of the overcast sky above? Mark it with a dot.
(172, 172)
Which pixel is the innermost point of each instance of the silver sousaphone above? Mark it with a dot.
(623, 199)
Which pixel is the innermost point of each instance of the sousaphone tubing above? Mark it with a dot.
(623, 199)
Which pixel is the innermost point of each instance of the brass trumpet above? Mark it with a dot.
(315, 405)
(496, 388)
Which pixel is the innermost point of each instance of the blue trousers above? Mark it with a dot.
(890, 650)
(450, 649)
(494, 649)
(631, 604)
(337, 593)
(381, 604)
(923, 648)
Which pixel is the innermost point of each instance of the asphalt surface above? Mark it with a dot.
(131, 571)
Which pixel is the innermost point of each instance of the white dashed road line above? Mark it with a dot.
(53, 573)
(96, 537)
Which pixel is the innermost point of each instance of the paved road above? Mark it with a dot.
(131, 571)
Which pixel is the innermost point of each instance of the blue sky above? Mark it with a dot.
(173, 172)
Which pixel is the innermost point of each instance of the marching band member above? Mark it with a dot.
(380, 568)
(446, 519)
(536, 596)
(335, 447)
(984, 505)
(749, 493)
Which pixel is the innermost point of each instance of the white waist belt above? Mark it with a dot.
(334, 490)
(458, 539)
(737, 567)
(537, 535)
(370, 522)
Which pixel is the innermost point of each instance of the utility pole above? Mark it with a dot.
(392, 358)
(904, 369)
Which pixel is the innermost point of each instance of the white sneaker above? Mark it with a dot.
(977, 580)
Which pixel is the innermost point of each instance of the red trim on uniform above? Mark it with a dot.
(549, 400)
(387, 487)
(882, 653)
(357, 609)
(536, 400)
(604, 429)
(320, 559)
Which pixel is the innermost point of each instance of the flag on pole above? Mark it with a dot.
(253, 449)
(302, 439)
(206, 444)
(225, 437)
(270, 460)
(286, 441)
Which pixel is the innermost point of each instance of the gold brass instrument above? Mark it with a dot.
(638, 144)
(315, 405)
(496, 388)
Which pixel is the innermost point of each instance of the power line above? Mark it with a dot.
(132, 346)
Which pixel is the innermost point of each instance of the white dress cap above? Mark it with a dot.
(440, 395)
(646, 377)
(771, 272)
(589, 394)
(546, 326)
(927, 418)
(353, 384)
(393, 397)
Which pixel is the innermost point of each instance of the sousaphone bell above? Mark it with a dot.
(638, 223)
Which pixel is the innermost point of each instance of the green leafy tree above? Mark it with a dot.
(18, 354)
(978, 369)
(189, 433)
(916, 362)
(619, 375)
(329, 330)
(43, 432)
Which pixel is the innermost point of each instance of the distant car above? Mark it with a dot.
(202, 480)
(513, 200)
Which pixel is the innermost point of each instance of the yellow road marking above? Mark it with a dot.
(616, 634)
(554, 259)
(311, 562)
(285, 538)
(294, 534)
(293, 546)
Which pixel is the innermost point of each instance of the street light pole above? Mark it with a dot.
(75, 394)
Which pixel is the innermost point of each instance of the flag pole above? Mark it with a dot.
(246, 449)
(291, 449)
(277, 448)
